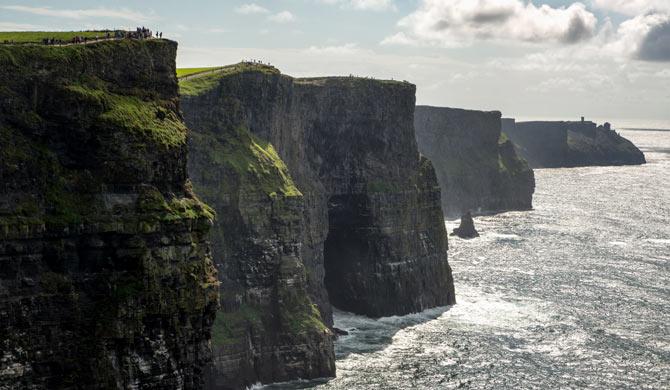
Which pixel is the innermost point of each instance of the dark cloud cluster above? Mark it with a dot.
(655, 46)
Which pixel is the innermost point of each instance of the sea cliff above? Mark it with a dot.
(106, 277)
(356, 212)
(571, 144)
(476, 165)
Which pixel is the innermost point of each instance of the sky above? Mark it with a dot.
(550, 59)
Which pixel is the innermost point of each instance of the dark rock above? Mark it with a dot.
(476, 165)
(340, 332)
(369, 225)
(571, 144)
(466, 228)
(90, 296)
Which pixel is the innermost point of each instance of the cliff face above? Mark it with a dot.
(571, 144)
(268, 328)
(106, 278)
(477, 166)
(367, 220)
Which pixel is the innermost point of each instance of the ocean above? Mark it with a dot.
(574, 294)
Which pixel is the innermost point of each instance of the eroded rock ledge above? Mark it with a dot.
(355, 218)
(477, 166)
(106, 278)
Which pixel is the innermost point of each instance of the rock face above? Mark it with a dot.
(466, 228)
(477, 166)
(106, 277)
(364, 210)
(267, 329)
(571, 144)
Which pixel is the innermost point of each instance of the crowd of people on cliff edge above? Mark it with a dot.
(140, 33)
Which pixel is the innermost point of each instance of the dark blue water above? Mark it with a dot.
(575, 294)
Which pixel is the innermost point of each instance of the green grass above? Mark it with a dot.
(200, 85)
(152, 201)
(255, 161)
(38, 36)
(354, 81)
(148, 118)
(183, 72)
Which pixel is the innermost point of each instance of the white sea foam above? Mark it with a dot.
(504, 237)
(662, 241)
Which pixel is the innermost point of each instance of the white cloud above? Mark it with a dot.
(400, 39)
(645, 37)
(282, 17)
(451, 23)
(633, 7)
(346, 49)
(122, 13)
(10, 26)
(364, 5)
(373, 5)
(251, 8)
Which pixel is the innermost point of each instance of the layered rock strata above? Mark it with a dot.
(476, 165)
(106, 277)
(571, 144)
(356, 207)
(268, 329)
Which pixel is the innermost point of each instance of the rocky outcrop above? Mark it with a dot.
(477, 166)
(106, 278)
(571, 144)
(467, 227)
(363, 208)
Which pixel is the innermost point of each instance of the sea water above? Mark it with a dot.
(574, 294)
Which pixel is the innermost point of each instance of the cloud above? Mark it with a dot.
(633, 7)
(364, 5)
(656, 45)
(11, 26)
(122, 13)
(458, 22)
(251, 8)
(346, 49)
(644, 37)
(282, 17)
(372, 5)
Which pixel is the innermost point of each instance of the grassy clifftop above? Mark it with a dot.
(38, 36)
(197, 81)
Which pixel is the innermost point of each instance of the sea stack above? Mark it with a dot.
(466, 228)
